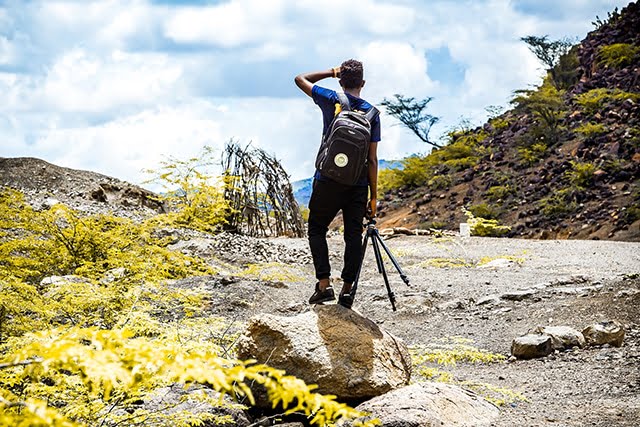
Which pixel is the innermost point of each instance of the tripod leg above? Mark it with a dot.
(354, 286)
(403, 276)
(376, 250)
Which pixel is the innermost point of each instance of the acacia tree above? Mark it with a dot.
(410, 113)
(549, 53)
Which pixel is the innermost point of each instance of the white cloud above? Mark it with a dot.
(230, 24)
(113, 85)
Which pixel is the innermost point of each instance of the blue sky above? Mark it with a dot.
(114, 86)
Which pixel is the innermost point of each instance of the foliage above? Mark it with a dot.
(618, 55)
(445, 263)
(463, 151)
(485, 227)
(560, 202)
(273, 272)
(447, 352)
(483, 210)
(595, 99)
(611, 18)
(84, 373)
(196, 200)
(549, 53)
(567, 71)
(533, 154)
(36, 244)
(411, 114)
(546, 104)
(581, 174)
(499, 123)
(591, 129)
(452, 350)
(498, 192)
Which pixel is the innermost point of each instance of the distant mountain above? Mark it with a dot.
(564, 162)
(302, 188)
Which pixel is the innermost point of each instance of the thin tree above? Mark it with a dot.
(411, 114)
(549, 53)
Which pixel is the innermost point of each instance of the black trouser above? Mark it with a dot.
(327, 198)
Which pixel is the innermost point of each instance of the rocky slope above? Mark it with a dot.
(44, 184)
(582, 183)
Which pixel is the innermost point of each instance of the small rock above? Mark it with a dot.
(608, 332)
(518, 295)
(488, 300)
(531, 346)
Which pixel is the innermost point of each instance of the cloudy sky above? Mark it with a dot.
(115, 86)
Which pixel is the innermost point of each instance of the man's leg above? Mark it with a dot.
(323, 207)
(353, 212)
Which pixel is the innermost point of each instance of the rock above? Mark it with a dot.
(531, 346)
(607, 332)
(430, 405)
(518, 295)
(176, 399)
(342, 352)
(488, 300)
(562, 337)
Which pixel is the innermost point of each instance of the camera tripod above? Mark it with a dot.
(376, 242)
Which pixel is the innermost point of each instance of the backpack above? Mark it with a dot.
(344, 149)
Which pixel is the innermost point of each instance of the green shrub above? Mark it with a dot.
(439, 182)
(559, 203)
(546, 104)
(595, 99)
(582, 173)
(485, 227)
(500, 123)
(484, 210)
(591, 129)
(618, 55)
(498, 192)
(533, 154)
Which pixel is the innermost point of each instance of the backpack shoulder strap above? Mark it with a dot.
(344, 101)
(372, 114)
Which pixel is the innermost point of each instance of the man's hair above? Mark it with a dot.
(351, 74)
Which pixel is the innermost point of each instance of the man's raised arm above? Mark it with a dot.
(305, 81)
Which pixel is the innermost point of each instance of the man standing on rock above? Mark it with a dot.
(329, 196)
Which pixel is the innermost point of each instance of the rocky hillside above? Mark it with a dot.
(45, 184)
(564, 162)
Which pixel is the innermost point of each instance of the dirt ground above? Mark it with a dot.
(457, 288)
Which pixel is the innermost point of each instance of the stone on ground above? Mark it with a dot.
(608, 332)
(531, 346)
(430, 405)
(342, 352)
(563, 337)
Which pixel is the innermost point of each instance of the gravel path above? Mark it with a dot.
(491, 291)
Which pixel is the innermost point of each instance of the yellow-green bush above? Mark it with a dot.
(36, 244)
(618, 55)
(499, 192)
(595, 99)
(591, 129)
(533, 154)
(581, 174)
(546, 103)
(485, 227)
(77, 376)
(560, 202)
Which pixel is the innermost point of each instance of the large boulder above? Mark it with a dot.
(430, 405)
(342, 352)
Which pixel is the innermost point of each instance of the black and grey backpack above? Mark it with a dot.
(345, 146)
